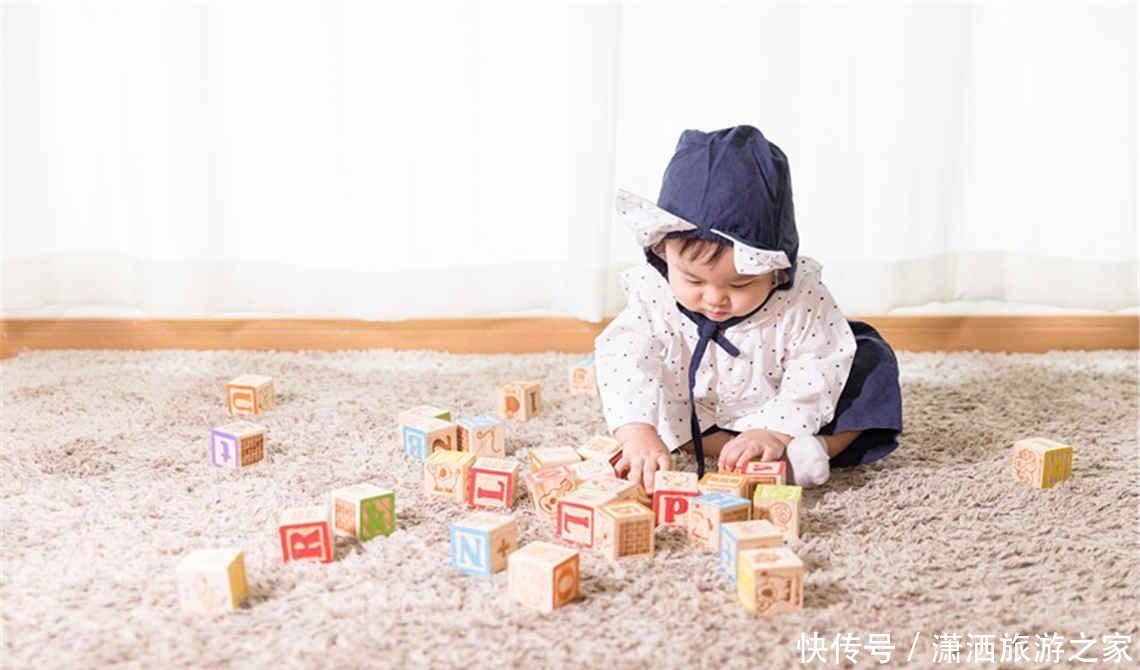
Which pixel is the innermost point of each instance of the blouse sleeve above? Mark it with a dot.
(819, 352)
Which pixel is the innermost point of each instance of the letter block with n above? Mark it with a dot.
(482, 541)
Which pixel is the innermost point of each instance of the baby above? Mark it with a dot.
(730, 346)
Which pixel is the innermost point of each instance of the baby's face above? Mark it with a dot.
(716, 290)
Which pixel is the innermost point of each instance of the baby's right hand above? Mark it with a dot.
(642, 455)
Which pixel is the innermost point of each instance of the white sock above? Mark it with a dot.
(809, 460)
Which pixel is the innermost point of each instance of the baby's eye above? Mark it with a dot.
(744, 284)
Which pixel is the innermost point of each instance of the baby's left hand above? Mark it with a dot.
(767, 444)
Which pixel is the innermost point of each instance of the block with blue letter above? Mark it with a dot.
(481, 542)
(707, 512)
(737, 536)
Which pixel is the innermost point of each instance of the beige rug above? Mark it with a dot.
(106, 485)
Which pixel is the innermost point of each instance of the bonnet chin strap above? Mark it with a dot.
(709, 330)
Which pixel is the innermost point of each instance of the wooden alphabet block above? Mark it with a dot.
(421, 436)
(484, 435)
(764, 472)
(430, 411)
(578, 514)
(601, 448)
(1041, 462)
(212, 580)
(672, 491)
(732, 483)
(446, 474)
(546, 487)
(770, 580)
(519, 400)
(364, 511)
(492, 482)
(543, 576)
(306, 534)
(584, 471)
(549, 457)
(620, 489)
(249, 395)
(583, 378)
(707, 512)
(237, 444)
(482, 541)
(625, 529)
(780, 505)
(737, 536)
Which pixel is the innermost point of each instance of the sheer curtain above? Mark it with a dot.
(356, 159)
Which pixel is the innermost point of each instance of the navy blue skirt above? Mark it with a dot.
(871, 401)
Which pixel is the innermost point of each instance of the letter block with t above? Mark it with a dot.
(237, 444)
(518, 400)
(578, 515)
(780, 505)
(446, 473)
(212, 580)
(625, 529)
(549, 457)
(770, 580)
(364, 511)
(249, 395)
(306, 534)
(421, 436)
(707, 512)
(764, 472)
(737, 536)
(546, 487)
(672, 491)
(732, 483)
(482, 541)
(492, 482)
(601, 448)
(543, 576)
(583, 378)
(1041, 462)
(482, 435)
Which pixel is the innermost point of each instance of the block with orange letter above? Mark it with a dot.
(364, 511)
(708, 511)
(601, 448)
(306, 534)
(543, 576)
(578, 515)
(518, 400)
(549, 457)
(780, 505)
(672, 491)
(770, 580)
(212, 580)
(732, 483)
(759, 472)
(546, 487)
(249, 395)
(625, 530)
(482, 435)
(446, 473)
(583, 378)
(492, 482)
(1041, 462)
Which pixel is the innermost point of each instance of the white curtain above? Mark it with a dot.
(357, 159)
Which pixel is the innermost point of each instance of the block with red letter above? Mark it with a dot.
(306, 534)
(1041, 462)
(364, 511)
(237, 444)
(249, 395)
(732, 483)
(492, 482)
(482, 541)
(770, 580)
(482, 435)
(764, 472)
(740, 535)
(625, 530)
(587, 470)
(446, 474)
(583, 378)
(672, 491)
(212, 580)
(578, 514)
(601, 448)
(780, 505)
(519, 400)
(549, 457)
(422, 436)
(708, 511)
(543, 576)
(546, 487)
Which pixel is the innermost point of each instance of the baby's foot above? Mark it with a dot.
(809, 460)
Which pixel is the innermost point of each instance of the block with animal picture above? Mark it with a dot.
(1041, 462)
(546, 486)
(672, 491)
(446, 474)
(482, 541)
(249, 395)
(770, 580)
(518, 400)
(483, 435)
(543, 576)
(780, 505)
(548, 457)
(732, 483)
(585, 471)
(421, 435)
(625, 530)
(759, 472)
(306, 534)
(212, 581)
(237, 444)
(364, 511)
(583, 377)
(601, 448)
(578, 515)
(492, 482)
(737, 536)
(707, 512)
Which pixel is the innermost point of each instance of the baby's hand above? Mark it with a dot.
(642, 454)
(767, 444)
